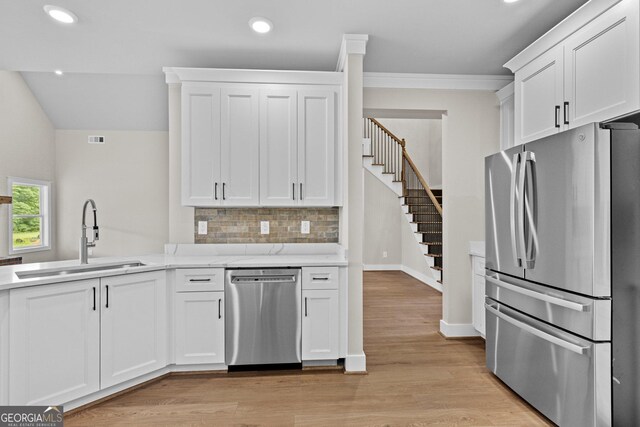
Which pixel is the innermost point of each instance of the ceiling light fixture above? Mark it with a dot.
(61, 14)
(510, 1)
(58, 72)
(260, 25)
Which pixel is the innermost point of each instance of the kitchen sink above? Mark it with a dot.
(75, 269)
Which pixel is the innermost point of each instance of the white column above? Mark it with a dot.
(350, 62)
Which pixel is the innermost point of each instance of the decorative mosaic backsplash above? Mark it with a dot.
(242, 225)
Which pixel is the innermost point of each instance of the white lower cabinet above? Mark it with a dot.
(320, 325)
(199, 327)
(54, 343)
(133, 326)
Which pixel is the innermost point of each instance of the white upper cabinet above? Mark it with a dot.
(278, 147)
(587, 69)
(602, 72)
(270, 141)
(240, 147)
(316, 146)
(538, 97)
(200, 145)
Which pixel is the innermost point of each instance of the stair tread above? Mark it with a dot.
(434, 255)
(367, 155)
(435, 267)
(426, 222)
(377, 164)
(429, 232)
(431, 243)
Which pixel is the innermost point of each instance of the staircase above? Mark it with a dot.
(386, 157)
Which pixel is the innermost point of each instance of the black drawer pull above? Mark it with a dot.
(320, 278)
(200, 280)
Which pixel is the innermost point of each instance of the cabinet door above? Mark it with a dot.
(316, 147)
(240, 147)
(320, 328)
(602, 71)
(539, 97)
(199, 327)
(201, 145)
(478, 302)
(54, 343)
(278, 148)
(133, 326)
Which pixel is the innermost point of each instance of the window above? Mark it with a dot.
(30, 223)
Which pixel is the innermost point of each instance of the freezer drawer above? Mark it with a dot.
(581, 315)
(565, 377)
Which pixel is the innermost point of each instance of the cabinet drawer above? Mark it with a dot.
(199, 279)
(320, 278)
(478, 266)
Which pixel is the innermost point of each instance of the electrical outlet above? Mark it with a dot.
(202, 227)
(264, 227)
(305, 227)
(384, 254)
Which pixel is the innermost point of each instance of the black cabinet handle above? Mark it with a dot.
(219, 309)
(107, 289)
(305, 307)
(558, 116)
(216, 191)
(300, 191)
(320, 278)
(566, 112)
(224, 197)
(200, 280)
(293, 193)
(94, 298)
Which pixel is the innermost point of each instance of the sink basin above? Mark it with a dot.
(75, 269)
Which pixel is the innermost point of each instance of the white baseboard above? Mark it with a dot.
(382, 267)
(458, 330)
(423, 278)
(355, 363)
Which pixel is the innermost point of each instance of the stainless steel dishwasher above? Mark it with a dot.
(263, 316)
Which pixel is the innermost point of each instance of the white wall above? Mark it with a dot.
(423, 139)
(470, 131)
(127, 177)
(381, 223)
(27, 150)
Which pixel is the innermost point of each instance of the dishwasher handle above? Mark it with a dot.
(263, 279)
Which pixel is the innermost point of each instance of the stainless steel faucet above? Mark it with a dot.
(84, 243)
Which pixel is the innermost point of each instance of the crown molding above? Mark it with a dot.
(572, 23)
(227, 75)
(506, 92)
(355, 44)
(435, 81)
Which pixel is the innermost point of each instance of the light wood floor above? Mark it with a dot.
(416, 378)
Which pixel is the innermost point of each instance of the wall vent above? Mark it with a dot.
(96, 139)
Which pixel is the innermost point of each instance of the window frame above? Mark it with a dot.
(45, 214)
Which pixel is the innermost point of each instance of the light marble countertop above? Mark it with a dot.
(188, 256)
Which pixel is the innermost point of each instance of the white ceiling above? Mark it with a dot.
(130, 37)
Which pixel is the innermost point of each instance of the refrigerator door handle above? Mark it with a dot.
(537, 332)
(572, 305)
(513, 209)
(521, 207)
(529, 205)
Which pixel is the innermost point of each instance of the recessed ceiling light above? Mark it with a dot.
(260, 25)
(61, 14)
(510, 1)
(58, 72)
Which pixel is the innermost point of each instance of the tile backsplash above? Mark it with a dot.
(242, 225)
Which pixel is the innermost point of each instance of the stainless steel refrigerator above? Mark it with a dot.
(563, 273)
